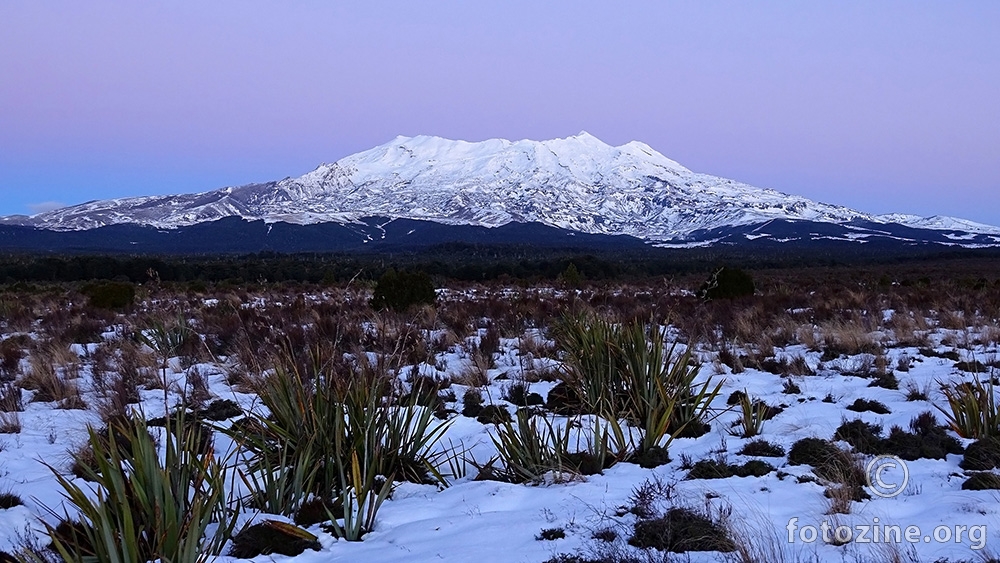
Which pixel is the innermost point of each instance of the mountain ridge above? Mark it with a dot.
(576, 183)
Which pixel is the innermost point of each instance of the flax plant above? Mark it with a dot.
(627, 372)
(533, 446)
(143, 507)
(337, 439)
(972, 408)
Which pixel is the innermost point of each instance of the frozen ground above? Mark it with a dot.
(486, 521)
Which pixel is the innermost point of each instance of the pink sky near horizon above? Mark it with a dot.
(884, 107)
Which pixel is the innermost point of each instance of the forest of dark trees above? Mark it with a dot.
(462, 262)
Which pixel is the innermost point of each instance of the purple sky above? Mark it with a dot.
(882, 106)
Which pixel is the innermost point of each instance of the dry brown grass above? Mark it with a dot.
(850, 338)
(10, 423)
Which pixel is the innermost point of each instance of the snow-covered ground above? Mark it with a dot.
(488, 521)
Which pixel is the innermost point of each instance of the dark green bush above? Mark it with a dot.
(220, 409)
(727, 283)
(564, 399)
(399, 291)
(550, 534)
(651, 457)
(926, 439)
(863, 436)
(866, 405)
(681, 530)
(270, 537)
(9, 500)
(472, 403)
(982, 482)
(494, 414)
(762, 448)
(827, 460)
(712, 469)
(812, 451)
(982, 455)
(115, 296)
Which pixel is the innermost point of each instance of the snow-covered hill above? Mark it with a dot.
(578, 183)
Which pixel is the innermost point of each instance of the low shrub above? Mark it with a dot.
(520, 394)
(727, 283)
(472, 403)
(827, 460)
(762, 448)
(219, 410)
(9, 500)
(789, 387)
(886, 380)
(982, 455)
(494, 414)
(713, 469)
(926, 439)
(863, 436)
(398, 291)
(564, 399)
(550, 534)
(272, 537)
(115, 296)
(681, 530)
(651, 457)
(982, 482)
(866, 405)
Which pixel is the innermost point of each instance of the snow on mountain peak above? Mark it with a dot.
(578, 183)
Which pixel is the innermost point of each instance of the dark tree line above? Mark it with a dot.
(454, 261)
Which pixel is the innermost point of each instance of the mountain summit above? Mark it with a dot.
(579, 184)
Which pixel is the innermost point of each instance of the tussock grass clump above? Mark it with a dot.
(519, 394)
(10, 423)
(865, 437)
(12, 351)
(472, 402)
(220, 409)
(10, 398)
(494, 414)
(551, 534)
(886, 380)
(926, 439)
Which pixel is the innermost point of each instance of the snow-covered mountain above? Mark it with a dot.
(578, 183)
